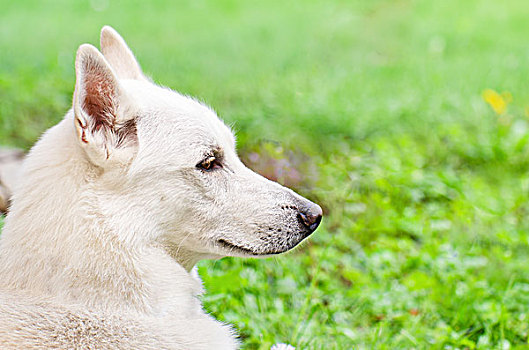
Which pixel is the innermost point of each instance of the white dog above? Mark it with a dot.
(117, 203)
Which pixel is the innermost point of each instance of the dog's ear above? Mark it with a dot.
(119, 55)
(104, 115)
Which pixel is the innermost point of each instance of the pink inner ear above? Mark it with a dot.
(100, 95)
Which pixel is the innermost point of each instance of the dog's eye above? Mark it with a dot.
(209, 164)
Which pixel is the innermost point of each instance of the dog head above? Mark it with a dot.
(173, 156)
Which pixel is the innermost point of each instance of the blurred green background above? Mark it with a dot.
(407, 120)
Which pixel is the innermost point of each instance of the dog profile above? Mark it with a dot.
(117, 203)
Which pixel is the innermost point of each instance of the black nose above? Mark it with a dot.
(311, 217)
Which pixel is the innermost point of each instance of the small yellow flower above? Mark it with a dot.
(496, 101)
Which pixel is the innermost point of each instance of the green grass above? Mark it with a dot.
(425, 243)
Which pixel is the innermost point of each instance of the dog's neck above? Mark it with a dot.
(57, 241)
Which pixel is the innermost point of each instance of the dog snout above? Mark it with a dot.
(311, 216)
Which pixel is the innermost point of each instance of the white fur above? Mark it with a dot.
(111, 214)
(10, 163)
